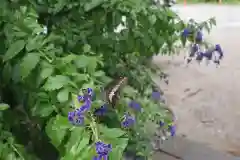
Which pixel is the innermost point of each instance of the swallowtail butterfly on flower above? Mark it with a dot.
(111, 91)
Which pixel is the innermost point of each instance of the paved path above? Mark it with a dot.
(190, 150)
(206, 100)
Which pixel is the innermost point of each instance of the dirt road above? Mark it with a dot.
(205, 99)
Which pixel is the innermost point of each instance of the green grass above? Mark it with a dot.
(209, 2)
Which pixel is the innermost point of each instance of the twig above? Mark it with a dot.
(169, 154)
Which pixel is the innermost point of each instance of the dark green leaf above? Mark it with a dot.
(43, 109)
(34, 43)
(7, 72)
(28, 63)
(57, 128)
(14, 49)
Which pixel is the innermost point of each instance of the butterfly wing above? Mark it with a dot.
(112, 90)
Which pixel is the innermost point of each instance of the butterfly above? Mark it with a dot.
(111, 92)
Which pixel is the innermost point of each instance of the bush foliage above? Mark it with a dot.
(51, 50)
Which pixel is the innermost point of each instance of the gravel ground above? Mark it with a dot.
(206, 99)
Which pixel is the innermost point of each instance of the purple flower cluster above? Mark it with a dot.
(102, 150)
(171, 128)
(76, 117)
(128, 119)
(215, 54)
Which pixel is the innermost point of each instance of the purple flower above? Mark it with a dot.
(79, 120)
(80, 98)
(101, 111)
(75, 118)
(90, 91)
(128, 120)
(208, 54)
(99, 157)
(136, 106)
(85, 107)
(156, 95)
(199, 56)
(96, 158)
(199, 36)
(195, 47)
(71, 116)
(172, 129)
(161, 123)
(218, 48)
(102, 150)
(185, 32)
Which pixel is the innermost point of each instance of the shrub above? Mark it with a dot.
(51, 50)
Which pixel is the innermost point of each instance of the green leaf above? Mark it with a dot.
(119, 145)
(92, 65)
(56, 82)
(86, 48)
(78, 77)
(87, 153)
(76, 103)
(82, 61)
(99, 74)
(116, 154)
(57, 128)
(92, 4)
(152, 19)
(46, 72)
(28, 63)
(42, 109)
(213, 21)
(111, 132)
(63, 95)
(34, 43)
(76, 136)
(68, 59)
(129, 91)
(7, 73)
(78, 141)
(22, 152)
(14, 49)
(4, 106)
(88, 62)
